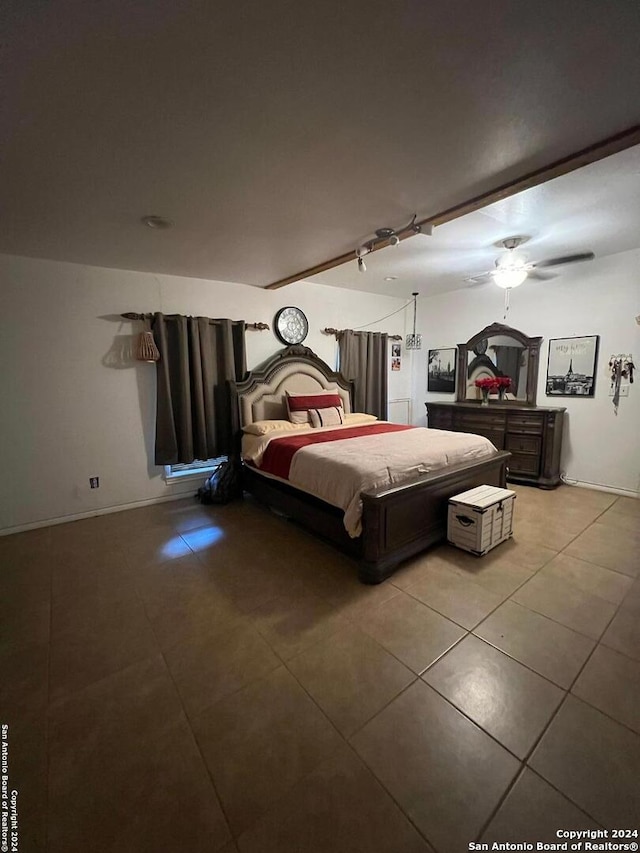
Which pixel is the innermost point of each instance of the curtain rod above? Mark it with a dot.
(338, 332)
(259, 327)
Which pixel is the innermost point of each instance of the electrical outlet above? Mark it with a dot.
(94, 482)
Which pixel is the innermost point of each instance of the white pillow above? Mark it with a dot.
(264, 427)
(359, 418)
(331, 416)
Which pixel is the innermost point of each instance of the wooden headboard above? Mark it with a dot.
(261, 394)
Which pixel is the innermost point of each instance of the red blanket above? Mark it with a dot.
(280, 451)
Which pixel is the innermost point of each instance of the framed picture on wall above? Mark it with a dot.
(396, 357)
(571, 366)
(441, 370)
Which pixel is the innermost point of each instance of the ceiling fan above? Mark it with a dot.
(512, 269)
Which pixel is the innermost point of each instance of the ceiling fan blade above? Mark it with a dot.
(538, 275)
(566, 259)
(478, 278)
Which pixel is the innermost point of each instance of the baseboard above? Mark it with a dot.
(598, 487)
(63, 519)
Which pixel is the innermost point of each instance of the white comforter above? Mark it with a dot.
(339, 471)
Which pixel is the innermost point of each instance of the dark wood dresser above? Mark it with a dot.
(532, 434)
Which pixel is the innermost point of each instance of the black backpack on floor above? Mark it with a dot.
(223, 485)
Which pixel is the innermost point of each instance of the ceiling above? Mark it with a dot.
(281, 134)
(596, 208)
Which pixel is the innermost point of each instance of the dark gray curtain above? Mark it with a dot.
(198, 357)
(363, 358)
(508, 363)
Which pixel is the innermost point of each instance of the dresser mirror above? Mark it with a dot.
(499, 351)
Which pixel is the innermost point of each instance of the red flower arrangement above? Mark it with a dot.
(493, 383)
(489, 383)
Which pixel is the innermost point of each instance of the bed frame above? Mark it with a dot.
(397, 521)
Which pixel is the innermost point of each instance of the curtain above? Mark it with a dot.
(363, 358)
(198, 357)
(508, 363)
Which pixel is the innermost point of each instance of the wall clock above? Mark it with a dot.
(290, 325)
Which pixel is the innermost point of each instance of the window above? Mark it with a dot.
(194, 470)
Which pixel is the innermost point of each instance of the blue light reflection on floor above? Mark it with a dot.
(175, 547)
(199, 539)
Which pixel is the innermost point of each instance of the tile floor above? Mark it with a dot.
(215, 679)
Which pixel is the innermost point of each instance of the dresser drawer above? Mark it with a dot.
(439, 420)
(526, 423)
(469, 421)
(519, 443)
(524, 463)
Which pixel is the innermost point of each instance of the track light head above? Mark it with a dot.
(385, 233)
(361, 265)
(388, 234)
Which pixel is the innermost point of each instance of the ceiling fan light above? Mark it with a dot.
(508, 278)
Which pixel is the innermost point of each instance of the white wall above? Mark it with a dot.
(75, 405)
(598, 298)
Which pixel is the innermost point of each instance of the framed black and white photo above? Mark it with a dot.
(441, 370)
(571, 366)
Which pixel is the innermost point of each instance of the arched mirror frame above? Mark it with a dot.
(532, 345)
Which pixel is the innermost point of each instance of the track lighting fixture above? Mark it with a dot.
(389, 236)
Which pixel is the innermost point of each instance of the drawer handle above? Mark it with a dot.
(465, 521)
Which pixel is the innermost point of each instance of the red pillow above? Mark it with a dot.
(298, 405)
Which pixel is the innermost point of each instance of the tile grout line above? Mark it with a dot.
(501, 801)
(525, 761)
(189, 723)
(551, 785)
(345, 741)
(349, 745)
(567, 692)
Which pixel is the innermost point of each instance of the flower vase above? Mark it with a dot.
(501, 393)
(485, 396)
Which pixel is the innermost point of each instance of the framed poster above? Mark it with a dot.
(441, 370)
(571, 366)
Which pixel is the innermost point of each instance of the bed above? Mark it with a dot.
(395, 519)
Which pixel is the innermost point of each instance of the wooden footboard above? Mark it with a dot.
(397, 522)
(401, 521)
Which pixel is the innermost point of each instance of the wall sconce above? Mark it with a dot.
(147, 349)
